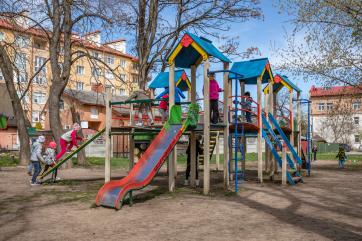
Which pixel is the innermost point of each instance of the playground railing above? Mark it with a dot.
(244, 113)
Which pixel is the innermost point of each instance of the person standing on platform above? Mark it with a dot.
(214, 99)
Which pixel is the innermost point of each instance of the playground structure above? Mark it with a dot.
(262, 122)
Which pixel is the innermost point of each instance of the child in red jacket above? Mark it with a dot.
(68, 140)
(164, 107)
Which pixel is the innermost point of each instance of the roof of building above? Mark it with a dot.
(250, 70)
(95, 98)
(334, 91)
(81, 42)
(162, 80)
(281, 81)
(187, 51)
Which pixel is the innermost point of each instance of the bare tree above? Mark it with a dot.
(158, 24)
(338, 125)
(326, 44)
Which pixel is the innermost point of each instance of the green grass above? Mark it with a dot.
(332, 156)
(8, 160)
(116, 162)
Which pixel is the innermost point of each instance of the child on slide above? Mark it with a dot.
(68, 140)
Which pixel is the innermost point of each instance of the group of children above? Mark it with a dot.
(49, 159)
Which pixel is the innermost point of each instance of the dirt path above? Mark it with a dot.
(327, 207)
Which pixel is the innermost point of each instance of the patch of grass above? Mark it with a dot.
(116, 162)
(332, 156)
(7, 160)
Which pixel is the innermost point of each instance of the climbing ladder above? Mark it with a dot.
(271, 138)
(212, 144)
(237, 146)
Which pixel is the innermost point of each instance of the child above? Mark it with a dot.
(214, 99)
(178, 95)
(143, 108)
(341, 157)
(199, 150)
(35, 157)
(163, 108)
(49, 158)
(246, 105)
(68, 140)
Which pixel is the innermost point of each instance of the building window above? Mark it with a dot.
(95, 54)
(79, 85)
(40, 78)
(110, 60)
(2, 36)
(122, 77)
(320, 106)
(61, 104)
(356, 139)
(94, 113)
(122, 64)
(329, 106)
(38, 44)
(1, 76)
(356, 105)
(80, 70)
(109, 74)
(39, 97)
(35, 116)
(135, 78)
(356, 120)
(96, 72)
(122, 92)
(20, 64)
(21, 41)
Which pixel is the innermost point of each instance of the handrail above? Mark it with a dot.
(251, 110)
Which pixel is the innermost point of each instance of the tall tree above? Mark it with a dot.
(156, 25)
(326, 43)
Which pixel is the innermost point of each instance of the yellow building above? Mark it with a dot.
(32, 50)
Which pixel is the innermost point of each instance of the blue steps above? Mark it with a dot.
(285, 139)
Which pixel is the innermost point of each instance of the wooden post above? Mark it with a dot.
(131, 138)
(227, 92)
(206, 129)
(107, 162)
(171, 158)
(217, 147)
(292, 115)
(267, 150)
(243, 139)
(192, 140)
(299, 124)
(284, 165)
(260, 150)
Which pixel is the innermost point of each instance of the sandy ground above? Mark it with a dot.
(328, 206)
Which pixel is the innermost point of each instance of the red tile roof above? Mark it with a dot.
(35, 31)
(333, 91)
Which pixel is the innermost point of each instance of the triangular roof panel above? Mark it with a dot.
(252, 69)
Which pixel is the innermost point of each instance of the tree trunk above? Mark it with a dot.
(21, 120)
(81, 157)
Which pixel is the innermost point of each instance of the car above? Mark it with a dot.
(346, 147)
(359, 148)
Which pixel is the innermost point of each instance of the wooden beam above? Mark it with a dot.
(206, 129)
(171, 158)
(271, 110)
(131, 138)
(108, 151)
(284, 164)
(260, 149)
(243, 140)
(267, 150)
(299, 124)
(193, 160)
(292, 114)
(227, 102)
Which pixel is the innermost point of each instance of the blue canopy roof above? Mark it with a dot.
(283, 81)
(189, 56)
(251, 70)
(162, 80)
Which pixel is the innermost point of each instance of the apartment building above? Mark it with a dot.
(337, 114)
(32, 51)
